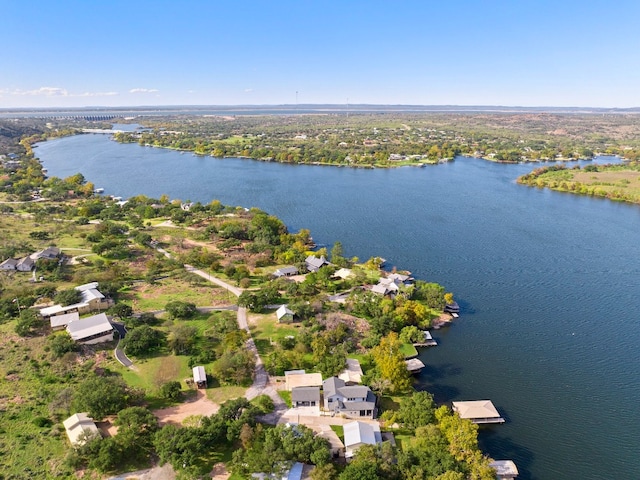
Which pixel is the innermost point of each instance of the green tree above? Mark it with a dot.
(181, 310)
(411, 334)
(427, 455)
(390, 363)
(171, 390)
(68, 297)
(100, 396)
(143, 340)
(183, 339)
(416, 410)
(136, 428)
(121, 310)
(234, 367)
(27, 322)
(62, 343)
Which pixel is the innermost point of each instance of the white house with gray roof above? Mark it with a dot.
(357, 401)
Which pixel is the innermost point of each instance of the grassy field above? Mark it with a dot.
(145, 298)
(616, 182)
(266, 331)
(30, 380)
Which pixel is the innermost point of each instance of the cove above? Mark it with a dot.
(548, 282)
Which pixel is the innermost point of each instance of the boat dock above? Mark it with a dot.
(478, 411)
(414, 365)
(427, 342)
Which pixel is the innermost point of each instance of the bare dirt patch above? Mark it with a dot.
(201, 405)
(220, 472)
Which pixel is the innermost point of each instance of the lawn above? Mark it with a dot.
(408, 350)
(339, 429)
(151, 373)
(286, 396)
(220, 395)
(266, 331)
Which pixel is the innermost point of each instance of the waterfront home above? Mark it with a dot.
(80, 428)
(385, 286)
(305, 397)
(298, 378)
(478, 411)
(285, 272)
(91, 330)
(284, 314)
(314, 263)
(199, 376)
(357, 434)
(505, 469)
(356, 401)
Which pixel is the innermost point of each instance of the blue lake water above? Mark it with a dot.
(549, 283)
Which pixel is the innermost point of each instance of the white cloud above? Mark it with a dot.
(248, 90)
(57, 92)
(144, 90)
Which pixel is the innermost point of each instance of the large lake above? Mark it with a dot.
(549, 283)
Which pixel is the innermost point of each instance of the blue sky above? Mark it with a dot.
(75, 53)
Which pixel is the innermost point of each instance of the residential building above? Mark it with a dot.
(305, 397)
(91, 330)
(80, 427)
(284, 314)
(314, 263)
(285, 272)
(357, 434)
(298, 378)
(355, 401)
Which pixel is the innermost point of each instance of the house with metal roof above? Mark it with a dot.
(314, 263)
(80, 427)
(91, 330)
(355, 401)
(353, 373)
(9, 264)
(284, 314)
(58, 322)
(200, 376)
(357, 434)
(285, 272)
(25, 264)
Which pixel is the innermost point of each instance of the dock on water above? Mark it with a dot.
(505, 469)
(478, 411)
(414, 365)
(428, 340)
